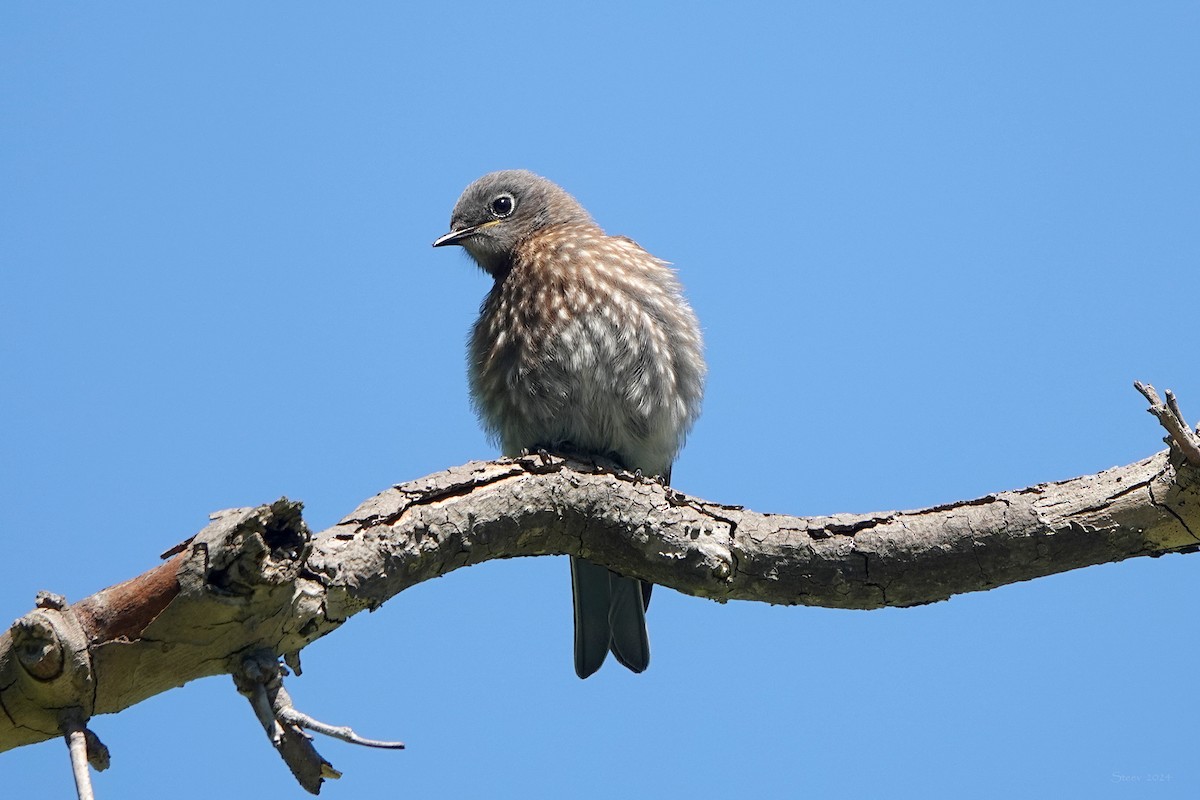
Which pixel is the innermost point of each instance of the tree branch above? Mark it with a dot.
(1179, 435)
(256, 581)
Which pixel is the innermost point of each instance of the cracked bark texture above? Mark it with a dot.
(257, 579)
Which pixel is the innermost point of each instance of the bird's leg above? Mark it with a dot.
(544, 452)
(562, 449)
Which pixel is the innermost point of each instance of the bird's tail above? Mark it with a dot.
(610, 614)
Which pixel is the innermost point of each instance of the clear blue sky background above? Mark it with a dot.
(932, 245)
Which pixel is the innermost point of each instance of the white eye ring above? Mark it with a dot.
(502, 205)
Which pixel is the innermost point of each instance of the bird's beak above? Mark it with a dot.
(456, 237)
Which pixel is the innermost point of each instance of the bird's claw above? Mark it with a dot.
(676, 498)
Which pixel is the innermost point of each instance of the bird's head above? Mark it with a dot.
(501, 210)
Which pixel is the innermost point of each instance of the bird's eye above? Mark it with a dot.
(503, 205)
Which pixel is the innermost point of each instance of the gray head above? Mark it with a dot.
(502, 209)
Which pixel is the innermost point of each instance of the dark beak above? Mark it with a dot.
(456, 237)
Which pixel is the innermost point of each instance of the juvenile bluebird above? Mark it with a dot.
(585, 343)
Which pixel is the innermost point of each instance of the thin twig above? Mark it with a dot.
(1171, 418)
(265, 714)
(75, 732)
(1173, 404)
(301, 720)
(259, 678)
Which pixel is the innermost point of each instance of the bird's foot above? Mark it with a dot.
(675, 498)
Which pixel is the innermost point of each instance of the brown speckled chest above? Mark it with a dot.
(588, 340)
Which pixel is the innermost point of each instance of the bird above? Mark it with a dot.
(584, 344)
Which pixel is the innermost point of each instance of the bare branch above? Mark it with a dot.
(346, 734)
(77, 744)
(85, 748)
(1172, 419)
(257, 581)
(521, 507)
(259, 677)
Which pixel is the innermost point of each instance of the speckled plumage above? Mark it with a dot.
(588, 341)
(585, 339)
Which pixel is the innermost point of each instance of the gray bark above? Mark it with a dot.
(256, 581)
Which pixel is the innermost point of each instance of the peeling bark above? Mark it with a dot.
(503, 509)
(256, 580)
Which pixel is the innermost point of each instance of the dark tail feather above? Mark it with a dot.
(627, 618)
(610, 613)
(592, 596)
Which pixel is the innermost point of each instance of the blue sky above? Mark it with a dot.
(931, 245)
